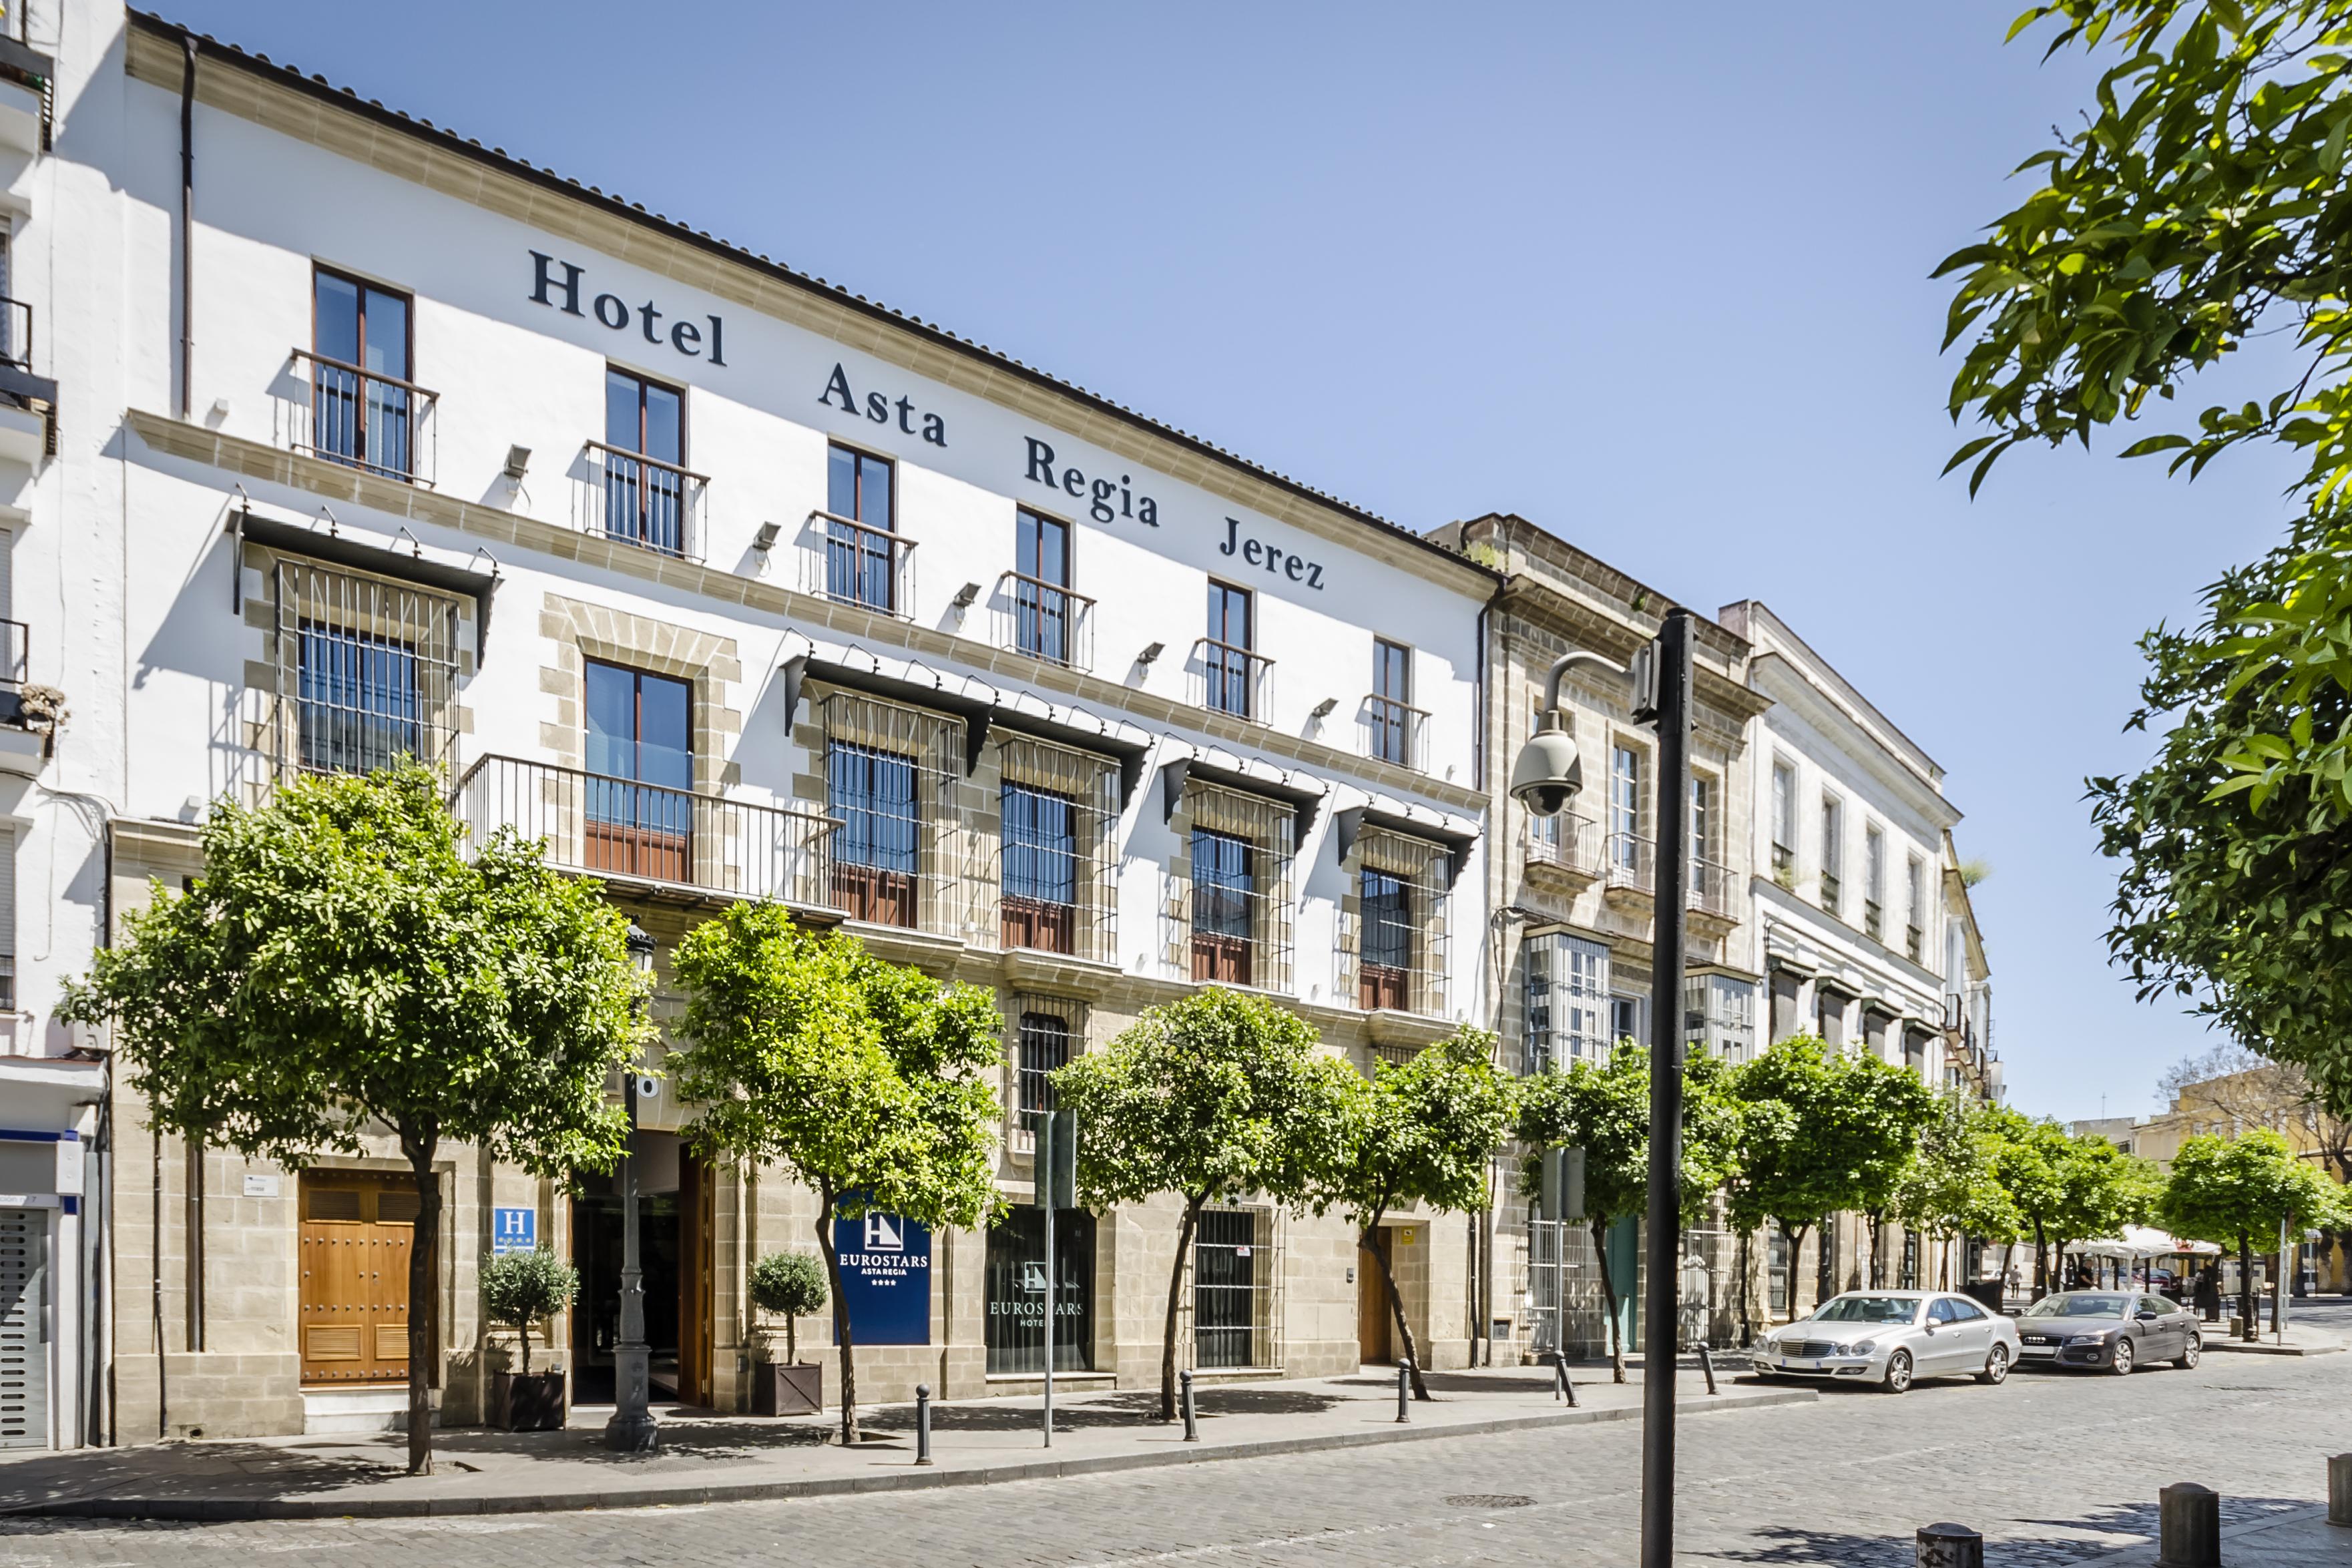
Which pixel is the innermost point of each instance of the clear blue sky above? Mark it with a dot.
(1653, 276)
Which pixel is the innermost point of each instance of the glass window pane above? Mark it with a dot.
(623, 422)
(338, 326)
(665, 735)
(612, 722)
(874, 492)
(665, 424)
(841, 482)
(387, 335)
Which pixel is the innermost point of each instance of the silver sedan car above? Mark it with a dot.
(1890, 1338)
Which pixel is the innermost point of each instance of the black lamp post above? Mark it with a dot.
(1544, 778)
(632, 1430)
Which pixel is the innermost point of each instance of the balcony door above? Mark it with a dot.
(858, 552)
(640, 805)
(644, 480)
(876, 849)
(1222, 882)
(1041, 589)
(360, 389)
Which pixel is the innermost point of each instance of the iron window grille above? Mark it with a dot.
(902, 853)
(1042, 1033)
(1402, 940)
(1057, 850)
(367, 672)
(1235, 919)
(1235, 1299)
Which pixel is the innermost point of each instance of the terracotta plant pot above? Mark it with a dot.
(779, 1388)
(533, 1403)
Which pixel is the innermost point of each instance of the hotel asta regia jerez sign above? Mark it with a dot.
(885, 1277)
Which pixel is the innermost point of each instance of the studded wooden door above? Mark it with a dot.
(356, 1232)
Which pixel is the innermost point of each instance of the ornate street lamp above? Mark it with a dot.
(1545, 776)
(632, 1430)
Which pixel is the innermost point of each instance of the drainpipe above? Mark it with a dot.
(188, 227)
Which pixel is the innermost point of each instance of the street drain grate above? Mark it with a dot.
(1486, 1499)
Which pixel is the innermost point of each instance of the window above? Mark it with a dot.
(361, 398)
(1832, 849)
(1776, 1267)
(1707, 890)
(1016, 1266)
(7, 919)
(1223, 885)
(1873, 878)
(1039, 886)
(871, 793)
(1225, 656)
(1785, 986)
(1626, 846)
(1392, 713)
(1828, 1016)
(1385, 905)
(861, 523)
(1044, 1049)
(1784, 820)
(367, 671)
(1719, 1016)
(1914, 934)
(1908, 1279)
(1042, 608)
(640, 759)
(1567, 1001)
(1629, 1018)
(645, 485)
(1230, 1276)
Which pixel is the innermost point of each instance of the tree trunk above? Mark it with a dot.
(1747, 1318)
(842, 1334)
(1175, 1296)
(422, 1252)
(2040, 1264)
(2008, 1261)
(1796, 1252)
(792, 1340)
(1609, 1301)
(1396, 1306)
(2246, 1328)
(1877, 1250)
(526, 1348)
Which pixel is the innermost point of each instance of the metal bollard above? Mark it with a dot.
(1949, 1546)
(1404, 1390)
(1707, 1364)
(1192, 1422)
(2339, 1489)
(1566, 1384)
(922, 1423)
(2188, 1526)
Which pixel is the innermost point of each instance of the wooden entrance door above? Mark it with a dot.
(1374, 1324)
(356, 1232)
(697, 1249)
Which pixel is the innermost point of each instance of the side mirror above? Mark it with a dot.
(2148, 1314)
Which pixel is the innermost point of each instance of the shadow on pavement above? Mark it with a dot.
(1139, 1407)
(1848, 1549)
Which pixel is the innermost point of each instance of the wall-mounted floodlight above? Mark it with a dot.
(966, 594)
(765, 540)
(1323, 709)
(1152, 652)
(517, 459)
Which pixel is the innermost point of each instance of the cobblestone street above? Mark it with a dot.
(2053, 1467)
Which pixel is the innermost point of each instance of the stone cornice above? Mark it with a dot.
(369, 134)
(334, 482)
(1784, 684)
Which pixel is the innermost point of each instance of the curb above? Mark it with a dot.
(2240, 1347)
(201, 1509)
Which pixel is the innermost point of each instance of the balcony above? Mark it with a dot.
(26, 727)
(1629, 866)
(851, 562)
(26, 79)
(1044, 621)
(29, 402)
(1708, 897)
(1914, 944)
(1225, 677)
(668, 842)
(347, 414)
(1563, 849)
(1395, 732)
(640, 500)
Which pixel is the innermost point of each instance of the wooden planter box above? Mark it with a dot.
(782, 1389)
(533, 1403)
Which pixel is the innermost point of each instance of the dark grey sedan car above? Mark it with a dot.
(2112, 1330)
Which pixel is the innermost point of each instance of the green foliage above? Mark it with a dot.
(1604, 1109)
(864, 1079)
(1950, 1189)
(790, 1285)
(1822, 1132)
(1214, 1097)
(341, 964)
(2065, 1189)
(2236, 1191)
(1420, 1132)
(519, 1289)
(2202, 203)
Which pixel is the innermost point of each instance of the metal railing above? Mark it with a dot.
(1044, 620)
(851, 562)
(16, 652)
(1710, 888)
(1395, 732)
(1228, 678)
(1631, 862)
(16, 333)
(1564, 842)
(377, 424)
(642, 500)
(650, 833)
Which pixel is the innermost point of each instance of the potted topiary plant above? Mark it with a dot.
(519, 1289)
(789, 1284)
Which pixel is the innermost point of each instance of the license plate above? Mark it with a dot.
(1794, 1365)
(2037, 1350)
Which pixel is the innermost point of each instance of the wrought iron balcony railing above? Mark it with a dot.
(852, 562)
(1044, 620)
(1228, 678)
(1395, 732)
(642, 500)
(377, 424)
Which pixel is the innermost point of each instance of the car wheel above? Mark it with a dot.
(1899, 1372)
(2189, 1353)
(1996, 1367)
(2119, 1360)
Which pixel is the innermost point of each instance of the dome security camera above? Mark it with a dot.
(1547, 774)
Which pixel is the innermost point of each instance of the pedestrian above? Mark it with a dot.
(2209, 1293)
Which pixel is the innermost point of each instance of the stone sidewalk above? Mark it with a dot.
(710, 1458)
(2302, 1539)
